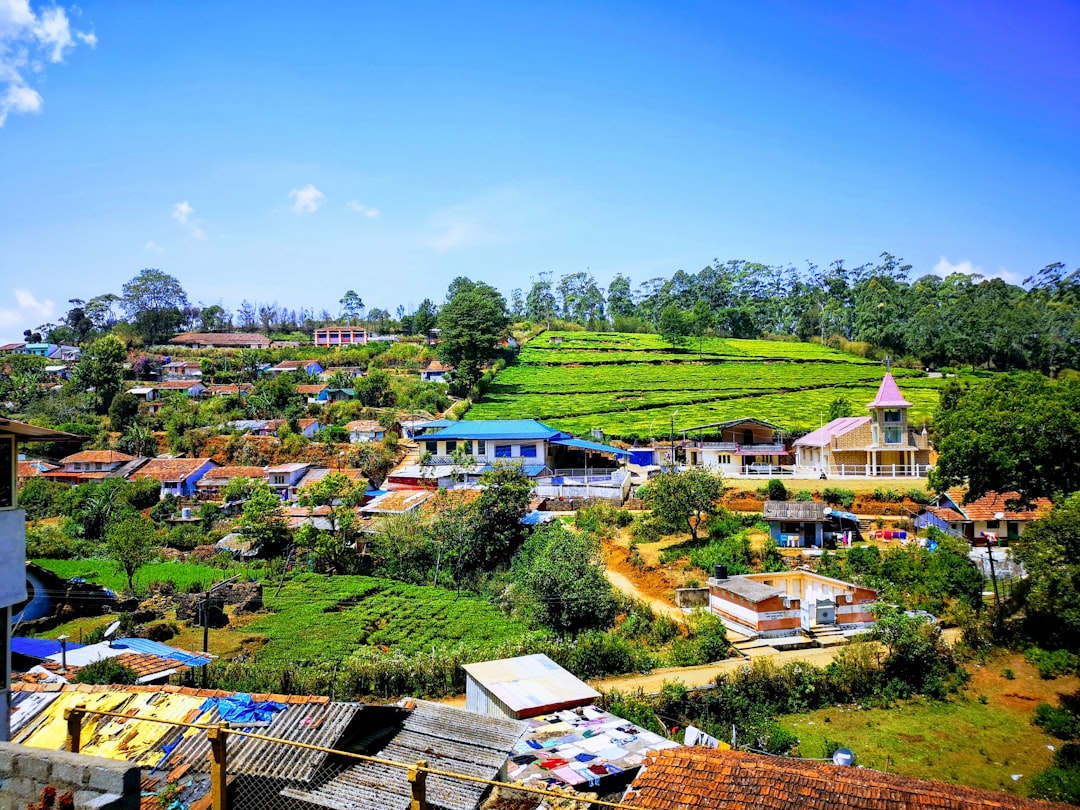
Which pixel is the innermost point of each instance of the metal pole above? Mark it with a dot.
(74, 718)
(417, 777)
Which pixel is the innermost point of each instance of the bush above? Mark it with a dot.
(106, 671)
(887, 495)
(40, 497)
(1052, 663)
(804, 495)
(1057, 721)
(839, 497)
(775, 490)
(918, 495)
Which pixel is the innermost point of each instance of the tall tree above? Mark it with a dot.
(352, 307)
(132, 543)
(155, 302)
(672, 326)
(100, 371)
(1012, 433)
(471, 323)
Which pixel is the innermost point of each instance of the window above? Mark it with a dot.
(993, 524)
(894, 435)
(723, 459)
(481, 447)
(451, 446)
(502, 451)
(748, 437)
(528, 451)
(431, 447)
(893, 416)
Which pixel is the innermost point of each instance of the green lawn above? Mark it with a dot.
(324, 619)
(631, 384)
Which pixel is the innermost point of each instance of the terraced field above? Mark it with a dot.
(629, 385)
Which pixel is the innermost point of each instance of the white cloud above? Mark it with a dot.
(154, 246)
(360, 208)
(27, 41)
(27, 313)
(183, 212)
(306, 200)
(945, 268)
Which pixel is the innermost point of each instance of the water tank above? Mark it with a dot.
(720, 571)
(844, 757)
(185, 513)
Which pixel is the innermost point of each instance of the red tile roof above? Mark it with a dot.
(177, 385)
(310, 389)
(169, 469)
(215, 477)
(97, 457)
(990, 504)
(32, 469)
(224, 339)
(436, 366)
(705, 779)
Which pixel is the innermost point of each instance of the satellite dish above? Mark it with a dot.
(826, 511)
(111, 630)
(843, 757)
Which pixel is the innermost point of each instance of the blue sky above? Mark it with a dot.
(290, 153)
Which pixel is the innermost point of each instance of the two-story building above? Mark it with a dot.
(881, 444)
(284, 479)
(94, 465)
(221, 340)
(213, 483)
(736, 447)
(332, 337)
(181, 370)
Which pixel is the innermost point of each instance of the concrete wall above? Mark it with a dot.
(105, 784)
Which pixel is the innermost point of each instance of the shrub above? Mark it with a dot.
(106, 671)
(918, 495)
(804, 495)
(1052, 663)
(775, 490)
(887, 495)
(1057, 721)
(839, 497)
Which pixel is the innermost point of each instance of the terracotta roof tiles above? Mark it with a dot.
(97, 457)
(708, 779)
(170, 469)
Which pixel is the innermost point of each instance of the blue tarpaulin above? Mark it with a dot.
(145, 645)
(241, 709)
(37, 647)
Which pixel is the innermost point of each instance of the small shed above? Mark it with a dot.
(527, 686)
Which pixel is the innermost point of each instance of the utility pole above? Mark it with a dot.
(671, 436)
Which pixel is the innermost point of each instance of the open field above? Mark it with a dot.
(962, 740)
(629, 385)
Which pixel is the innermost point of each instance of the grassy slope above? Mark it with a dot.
(185, 576)
(963, 740)
(631, 384)
(305, 626)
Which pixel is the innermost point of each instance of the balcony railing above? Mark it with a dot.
(735, 447)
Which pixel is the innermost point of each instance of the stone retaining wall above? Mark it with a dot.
(95, 782)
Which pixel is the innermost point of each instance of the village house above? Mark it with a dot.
(316, 474)
(53, 351)
(213, 483)
(229, 389)
(94, 465)
(736, 447)
(335, 336)
(995, 516)
(436, 372)
(312, 392)
(801, 524)
(330, 371)
(789, 603)
(177, 476)
(306, 427)
(285, 478)
(881, 444)
(32, 468)
(718, 779)
(365, 430)
(60, 371)
(181, 370)
(221, 340)
(310, 367)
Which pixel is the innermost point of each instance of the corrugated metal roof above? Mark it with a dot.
(581, 444)
(145, 645)
(448, 738)
(531, 684)
(37, 647)
(827, 432)
(496, 429)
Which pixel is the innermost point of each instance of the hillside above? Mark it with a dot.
(630, 384)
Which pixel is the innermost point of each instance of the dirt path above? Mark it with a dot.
(624, 584)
